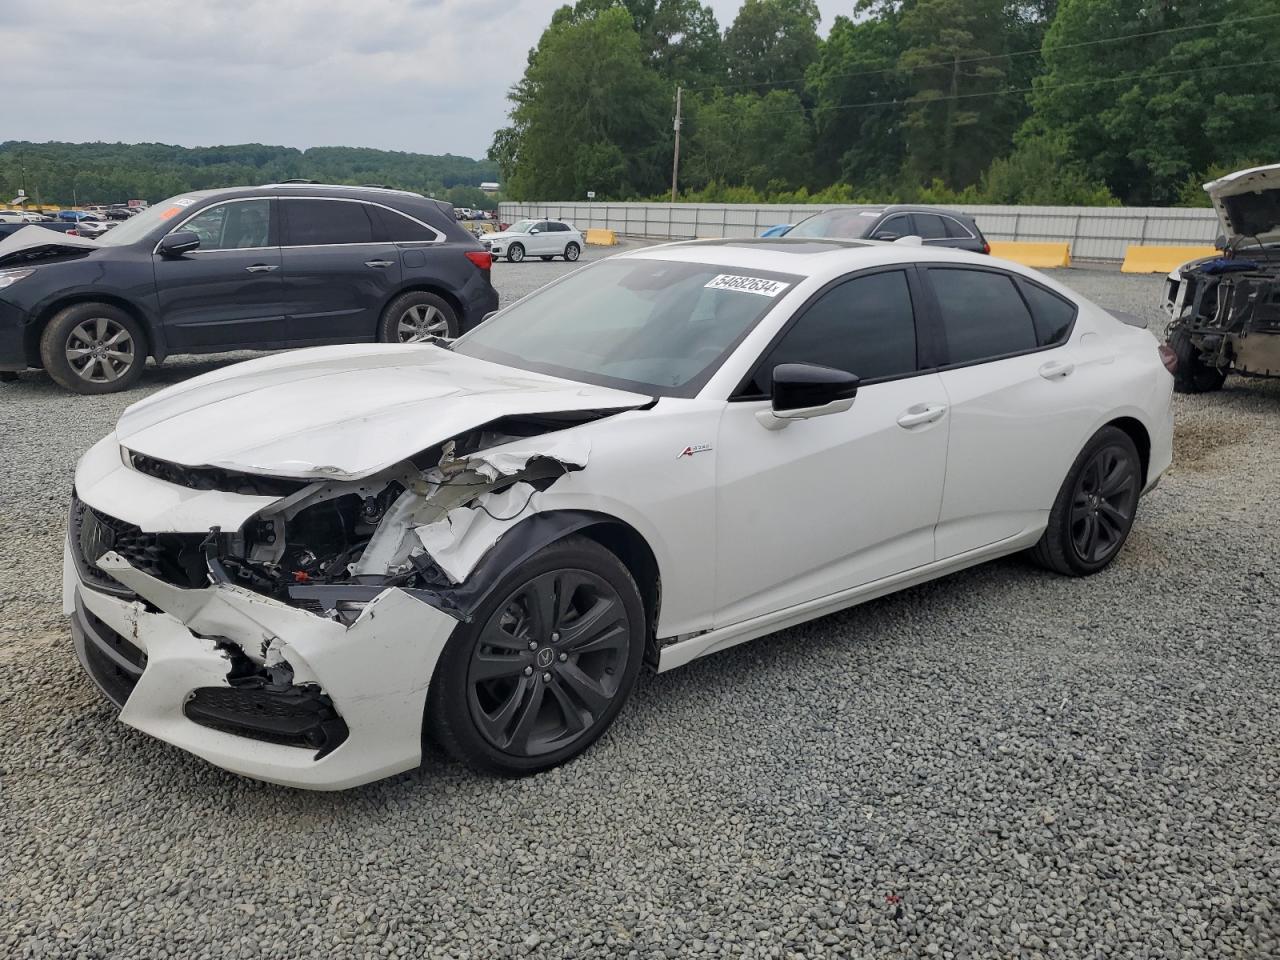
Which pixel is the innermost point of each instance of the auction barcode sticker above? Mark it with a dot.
(756, 285)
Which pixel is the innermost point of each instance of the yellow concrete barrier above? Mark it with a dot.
(1042, 255)
(605, 238)
(1143, 259)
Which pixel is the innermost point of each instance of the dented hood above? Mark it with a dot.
(342, 412)
(1248, 203)
(34, 241)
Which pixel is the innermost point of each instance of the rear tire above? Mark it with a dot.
(414, 316)
(1094, 511)
(515, 253)
(504, 707)
(1194, 375)
(93, 348)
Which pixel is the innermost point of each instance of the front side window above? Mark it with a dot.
(658, 327)
(983, 315)
(233, 226)
(864, 326)
(522, 226)
(896, 226)
(314, 223)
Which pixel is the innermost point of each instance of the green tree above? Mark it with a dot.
(771, 42)
(589, 114)
(858, 65)
(761, 141)
(1147, 114)
(681, 37)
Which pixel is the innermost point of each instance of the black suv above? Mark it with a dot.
(940, 228)
(248, 268)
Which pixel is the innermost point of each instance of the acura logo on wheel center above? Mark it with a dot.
(545, 656)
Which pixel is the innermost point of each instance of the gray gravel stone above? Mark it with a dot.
(1003, 763)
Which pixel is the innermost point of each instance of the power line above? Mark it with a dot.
(993, 56)
(1057, 86)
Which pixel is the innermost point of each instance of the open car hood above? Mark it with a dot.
(1248, 203)
(34, 242)
(343, 412)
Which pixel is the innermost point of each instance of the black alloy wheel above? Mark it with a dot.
(1095, 508)
(545, 664)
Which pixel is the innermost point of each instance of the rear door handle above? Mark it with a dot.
(378, 264)
(262, 267)
(1056, 369)
(921, 413)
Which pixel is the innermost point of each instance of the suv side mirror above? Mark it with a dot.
(533, 231)
(177, 243)
(885, 235)
(805, 390)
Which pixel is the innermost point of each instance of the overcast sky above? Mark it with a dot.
(424, 75)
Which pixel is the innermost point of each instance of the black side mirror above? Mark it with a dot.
(177, 243)
(802, 390)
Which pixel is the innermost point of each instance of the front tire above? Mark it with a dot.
(515, 253)
(93, 348)
(1193, 375)
(544, 666)
(1094, 511)
(416, 317)
(572, 252)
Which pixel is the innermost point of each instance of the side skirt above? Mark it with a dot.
(699, 645)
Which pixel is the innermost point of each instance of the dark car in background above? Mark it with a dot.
(251, 268)
(940, 228)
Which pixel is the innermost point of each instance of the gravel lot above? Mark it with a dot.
(1001, 763)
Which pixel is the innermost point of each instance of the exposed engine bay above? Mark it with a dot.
(1226, 317)
(331, 546)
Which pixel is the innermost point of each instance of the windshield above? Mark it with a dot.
(524, 226)
(845, 224)
(653, 326)
(137, 227)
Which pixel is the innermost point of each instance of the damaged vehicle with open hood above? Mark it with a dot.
(300, 566)
(1225, 309)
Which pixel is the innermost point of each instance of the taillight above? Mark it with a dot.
(72, 233)
(986, 247)
(483, 259)
(1168, 357)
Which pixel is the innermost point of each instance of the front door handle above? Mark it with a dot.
(378, 264)
(1056, 369)
(262, 267)
(921, 413)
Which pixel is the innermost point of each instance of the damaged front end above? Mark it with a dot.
(298, 646)
(1227, 317)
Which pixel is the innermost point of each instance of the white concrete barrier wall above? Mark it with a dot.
(1095, 233)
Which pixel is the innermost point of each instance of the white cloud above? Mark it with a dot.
(421, 75)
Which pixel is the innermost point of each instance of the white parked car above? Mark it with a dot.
(535, 238)
(293, 565)
(22, 216)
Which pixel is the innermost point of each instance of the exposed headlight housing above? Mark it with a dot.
(10, 277)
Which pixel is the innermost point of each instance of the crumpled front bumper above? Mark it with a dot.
(151, 656)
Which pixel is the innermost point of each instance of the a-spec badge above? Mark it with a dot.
(694, 448)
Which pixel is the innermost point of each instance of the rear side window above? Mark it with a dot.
(929, 226)
(312, 223)
(399, 228)
(956, 230)
(865, 326)
(1053, 315)
(983, 315)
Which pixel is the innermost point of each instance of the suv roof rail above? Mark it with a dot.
(297, 182)
(294, 180)
(376, 186)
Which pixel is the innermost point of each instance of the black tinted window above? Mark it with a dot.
(899, 225)
(864, 326)
(929, 226)
(400, 228)
(1052, 315)
(982, 314)
(956, 230)
(316, 222)
(558, 227)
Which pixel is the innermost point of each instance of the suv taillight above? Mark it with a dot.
(483, 259)
(1168, 358)
(986, 247)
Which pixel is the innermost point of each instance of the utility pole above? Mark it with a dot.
(675, 161)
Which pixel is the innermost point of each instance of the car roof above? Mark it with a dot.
(818, 257)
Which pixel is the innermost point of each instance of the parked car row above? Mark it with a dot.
(283, 265)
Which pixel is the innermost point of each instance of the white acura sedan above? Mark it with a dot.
(297, 566)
